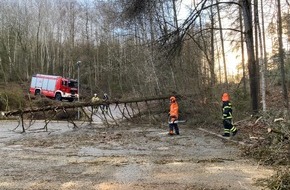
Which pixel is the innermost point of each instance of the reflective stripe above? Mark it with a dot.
(233, 129)
(227, 116)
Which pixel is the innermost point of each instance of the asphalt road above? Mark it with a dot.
(121, 157)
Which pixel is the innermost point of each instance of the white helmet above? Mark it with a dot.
(95, 95)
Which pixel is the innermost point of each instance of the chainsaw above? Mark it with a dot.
(177, 121)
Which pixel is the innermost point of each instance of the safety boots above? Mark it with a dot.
(235, 132)
(226, 135)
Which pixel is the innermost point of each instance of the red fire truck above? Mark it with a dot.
(55, 87)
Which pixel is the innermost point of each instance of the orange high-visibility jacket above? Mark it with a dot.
(173, 110)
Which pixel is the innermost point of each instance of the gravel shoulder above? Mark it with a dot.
(124, 157)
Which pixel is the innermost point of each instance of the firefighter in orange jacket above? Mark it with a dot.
(173, 114)
(227, 116)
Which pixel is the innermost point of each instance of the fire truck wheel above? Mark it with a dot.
(37, 92)
(58, 96)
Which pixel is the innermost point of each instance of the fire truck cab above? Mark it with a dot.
(55, 87)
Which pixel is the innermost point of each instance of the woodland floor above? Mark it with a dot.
(125, 157)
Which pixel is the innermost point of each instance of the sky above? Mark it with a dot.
(232, 58)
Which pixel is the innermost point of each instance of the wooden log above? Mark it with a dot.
(226, 138)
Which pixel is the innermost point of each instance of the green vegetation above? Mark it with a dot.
(12, 97)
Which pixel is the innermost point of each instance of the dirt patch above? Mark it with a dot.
(124, 157)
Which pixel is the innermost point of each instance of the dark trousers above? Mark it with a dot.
(175, 127)
(228, 126)
(105, 108)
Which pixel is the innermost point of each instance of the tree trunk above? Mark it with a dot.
(262, 67)
(264, 42)
(256, 24)
(281, 56)
(222, 43)
(243, 51)
(247, 12)
(212, 49)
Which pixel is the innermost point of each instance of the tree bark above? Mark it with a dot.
(243, 51)
(222, 43)
(262, 66)
(281, 56)
(247, 12)
(212, 49)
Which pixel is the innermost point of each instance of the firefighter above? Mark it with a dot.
(227, 116)
(95, 99)
(173, 116)
(105, 107)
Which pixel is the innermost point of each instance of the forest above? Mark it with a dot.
(139, 48)
(143, 48)
(160, 45)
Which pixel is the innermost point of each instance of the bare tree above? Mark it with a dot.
(281, 56)
(252, 65)
(242, 49)
(262, 62)
(222, 43)
(212, 54)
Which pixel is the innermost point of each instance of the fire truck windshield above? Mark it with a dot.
(73, 84)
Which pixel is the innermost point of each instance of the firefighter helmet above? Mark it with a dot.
(225, 97)
(172, 99)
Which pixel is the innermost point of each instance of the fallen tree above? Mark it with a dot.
(63, 105)
(54, 107)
